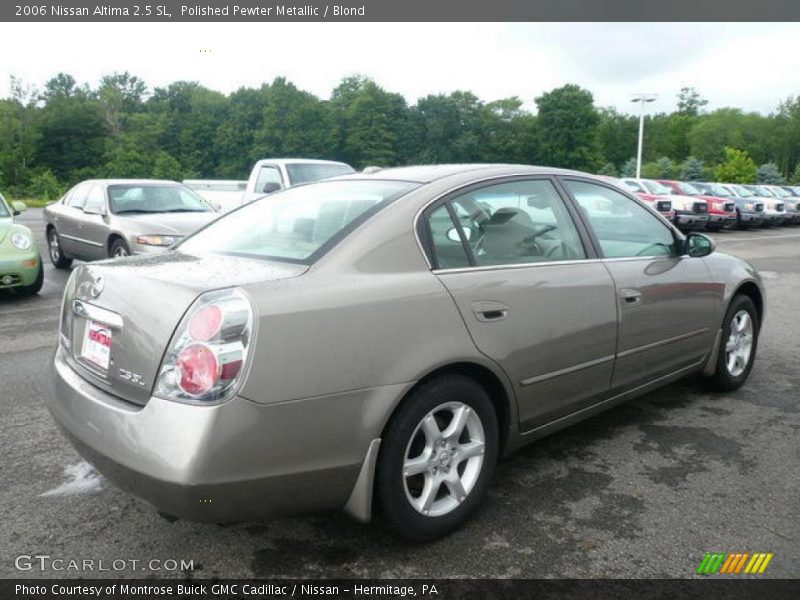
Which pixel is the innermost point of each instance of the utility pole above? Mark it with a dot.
(643, 99)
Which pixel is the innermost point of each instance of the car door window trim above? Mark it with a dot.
(552, 263)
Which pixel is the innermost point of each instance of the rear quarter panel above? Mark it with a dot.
(368, 314)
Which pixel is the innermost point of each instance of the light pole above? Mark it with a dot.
(643, 99)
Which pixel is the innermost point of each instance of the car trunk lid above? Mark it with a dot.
(124, 312)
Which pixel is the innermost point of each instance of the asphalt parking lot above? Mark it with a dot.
(641, 491)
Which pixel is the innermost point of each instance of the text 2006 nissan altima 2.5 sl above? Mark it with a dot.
(379, 340)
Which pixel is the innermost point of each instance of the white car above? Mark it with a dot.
(274, 174)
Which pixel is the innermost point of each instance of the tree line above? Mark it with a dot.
(53, 136)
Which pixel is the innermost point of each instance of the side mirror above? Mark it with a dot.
(18, 207)
(698, 245)
(271, 187)
(452, 234)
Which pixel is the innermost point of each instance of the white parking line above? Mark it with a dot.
(756, 237)
(21, 310)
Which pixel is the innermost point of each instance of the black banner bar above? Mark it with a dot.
(738, 588)
(400, 10)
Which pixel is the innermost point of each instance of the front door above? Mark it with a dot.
(68, 221)
(533, 297)
(94, 230)
(665, 299)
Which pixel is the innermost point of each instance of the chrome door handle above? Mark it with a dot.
(630, 297)
(489, 310)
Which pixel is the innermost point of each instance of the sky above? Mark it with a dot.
(752, 66)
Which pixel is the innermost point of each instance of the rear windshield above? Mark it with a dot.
(297, 224)
(145, 198)
(305, 172)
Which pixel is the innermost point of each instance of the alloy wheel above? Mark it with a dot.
(55, 250)
(739, 346)
(443, 459)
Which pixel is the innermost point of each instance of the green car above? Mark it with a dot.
(20, 264)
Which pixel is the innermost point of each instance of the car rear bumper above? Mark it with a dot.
(235, 461)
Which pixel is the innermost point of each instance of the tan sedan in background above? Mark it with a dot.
(104, 218)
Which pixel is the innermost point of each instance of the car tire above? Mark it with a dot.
(738, 344)
(36, 286)
(451, 471)
(118, 249)
(56, 253)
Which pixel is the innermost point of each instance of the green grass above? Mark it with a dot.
(31, 202)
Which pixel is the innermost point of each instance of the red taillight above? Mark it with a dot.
(206, 358)
(205, 323)
(198, 369)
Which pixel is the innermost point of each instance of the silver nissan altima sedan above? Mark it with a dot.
(381, 339)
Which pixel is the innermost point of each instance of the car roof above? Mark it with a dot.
(131, 182)
(430, 173)
(294, 161)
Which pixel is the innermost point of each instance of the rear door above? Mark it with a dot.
(532, 295)
(666, 301)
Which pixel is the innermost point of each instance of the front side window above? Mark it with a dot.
(95, 200)
(294, 224)
(623, 227)
(512, 223)
(148, 198)
(77, 197)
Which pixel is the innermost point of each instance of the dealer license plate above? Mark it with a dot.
(97, 344)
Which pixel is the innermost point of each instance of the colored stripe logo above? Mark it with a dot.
(734, 563)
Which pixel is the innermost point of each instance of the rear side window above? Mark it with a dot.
(509, 223)
(623, 227)
(448, 249)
